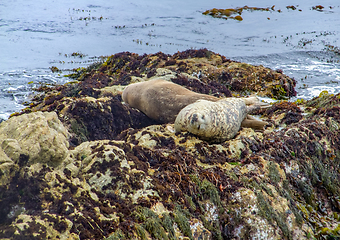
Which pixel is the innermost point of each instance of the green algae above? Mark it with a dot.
(274, 173)
(168, 224)
(307, 191)
(297, 214)
(266, 189)
(140, 231)
(143, 213)
(117, 235)
(332, 125)
(79, 129)
(253, 184)
(150, 222)
(215, 230)
(155, 228)
(191, 204)
(163, 228)
(267, 211)
(209, 191)
(286, 192)
(182, 222)
(324, 100)
(279, 92)
(235, 163)
(319, 173)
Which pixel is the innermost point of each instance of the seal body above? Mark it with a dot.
(161, 100)
(212, 121)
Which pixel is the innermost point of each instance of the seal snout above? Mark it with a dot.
(197, 122)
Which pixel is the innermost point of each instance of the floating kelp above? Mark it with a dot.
(332, 48)
(292, 7)
(235, 13)
(318, 7)
(230, 13)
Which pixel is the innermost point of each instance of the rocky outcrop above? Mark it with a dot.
(35, 137)
(144, 181)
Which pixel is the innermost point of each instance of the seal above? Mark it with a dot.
(216, 121)
(161, 100)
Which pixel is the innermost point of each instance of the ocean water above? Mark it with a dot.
(36, 35)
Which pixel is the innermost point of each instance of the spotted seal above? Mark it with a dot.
(215, 121)
(161, 100)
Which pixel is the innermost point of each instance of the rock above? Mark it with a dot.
(7, 168)
(114, 90)
(127, 178)
(35, 137)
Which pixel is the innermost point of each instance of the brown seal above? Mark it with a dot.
(161, 100)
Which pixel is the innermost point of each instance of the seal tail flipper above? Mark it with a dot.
(251, 122)
(253, 100)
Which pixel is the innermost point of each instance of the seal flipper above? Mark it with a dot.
(251, 122)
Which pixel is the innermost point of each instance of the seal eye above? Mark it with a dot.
(194, 118)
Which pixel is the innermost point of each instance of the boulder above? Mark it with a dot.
(35, 137)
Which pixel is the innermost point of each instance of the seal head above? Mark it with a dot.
(212, 121)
